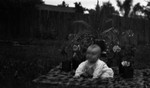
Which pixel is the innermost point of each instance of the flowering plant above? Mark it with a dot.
(125, 63)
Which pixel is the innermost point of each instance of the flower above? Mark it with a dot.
(116, 48)
(125, 63)
(76, 47)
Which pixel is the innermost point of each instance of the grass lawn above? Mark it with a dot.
(21, 64)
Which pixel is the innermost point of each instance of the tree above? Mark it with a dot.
(146, 11)
(143, 11)
(64, 4)
(125, 7)
(100, 16)
(137, 10)
(78, 7)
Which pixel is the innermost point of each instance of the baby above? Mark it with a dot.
(93, 66)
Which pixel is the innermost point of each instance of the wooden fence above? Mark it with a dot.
(57, 25)
(140, 27)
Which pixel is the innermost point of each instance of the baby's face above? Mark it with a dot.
(92, 54)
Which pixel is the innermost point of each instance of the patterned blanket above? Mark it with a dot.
(58, 77)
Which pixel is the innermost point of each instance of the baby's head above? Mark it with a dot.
(93, 53)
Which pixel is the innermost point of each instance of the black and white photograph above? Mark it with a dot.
(74, 43)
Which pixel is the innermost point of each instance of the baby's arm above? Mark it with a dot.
(99, 70)
(80, 70)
